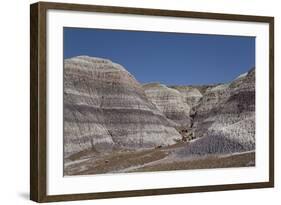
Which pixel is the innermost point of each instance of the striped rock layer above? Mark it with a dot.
(191, 95)
(106, 108)
(170, 102)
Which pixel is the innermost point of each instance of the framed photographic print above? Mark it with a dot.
(134, 102)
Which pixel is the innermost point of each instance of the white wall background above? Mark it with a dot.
(14, 102)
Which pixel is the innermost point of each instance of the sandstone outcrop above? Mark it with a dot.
(105, 108)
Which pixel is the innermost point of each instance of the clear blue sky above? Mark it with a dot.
(169, 58)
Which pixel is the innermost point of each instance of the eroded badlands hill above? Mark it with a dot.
(106, 108)
(224, 120)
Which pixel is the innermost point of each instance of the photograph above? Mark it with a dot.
(145, 101)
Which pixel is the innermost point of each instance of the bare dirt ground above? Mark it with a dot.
(158, 159)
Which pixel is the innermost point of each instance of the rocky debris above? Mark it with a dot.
(106, 108)
(170, 102)
(186, 135)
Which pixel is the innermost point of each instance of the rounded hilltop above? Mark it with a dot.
(106, 108)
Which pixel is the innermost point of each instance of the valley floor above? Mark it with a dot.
(158, 159)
